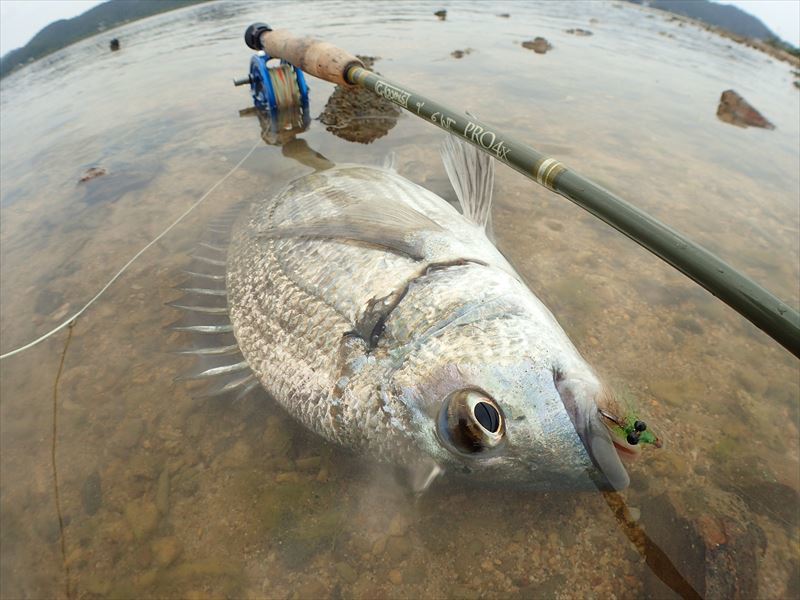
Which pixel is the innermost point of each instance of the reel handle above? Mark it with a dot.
(316, 57)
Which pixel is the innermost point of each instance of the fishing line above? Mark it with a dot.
(64, 562)
(131, 261)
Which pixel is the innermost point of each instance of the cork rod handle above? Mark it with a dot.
(315, 57)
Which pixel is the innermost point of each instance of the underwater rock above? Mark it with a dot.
(737, 111)
(504, 15)
(92, 494)
(346, 572)
(442, 14)
(713, 544)
(92, 173)
(397, 548)
(142, 517)
(579, 32)
(460, 53)
(358, 115)
(166, 550)
(395, 577)
(308, 463)
(128, 434)
(162, 492)
(538, 45)
(398, 526)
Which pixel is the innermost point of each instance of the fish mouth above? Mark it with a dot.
(605, 448)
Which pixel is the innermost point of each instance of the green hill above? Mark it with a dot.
(68, 31)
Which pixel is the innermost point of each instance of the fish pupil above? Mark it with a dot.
(487, 416)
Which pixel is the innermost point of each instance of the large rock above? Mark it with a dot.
(737, 111)
(710, 540)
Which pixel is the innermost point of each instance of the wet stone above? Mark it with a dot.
(346, 572)
(397, 548)
(309, 463)
(166, 550)
(162, 492)
(128, 434)
(142, 517)
(395, 577)
(399, 525)
(737, 111)
(538, 45)
(92, 494)
(688, 325)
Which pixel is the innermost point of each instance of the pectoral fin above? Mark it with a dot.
(422, 474)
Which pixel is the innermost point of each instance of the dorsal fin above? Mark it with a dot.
(471, 174)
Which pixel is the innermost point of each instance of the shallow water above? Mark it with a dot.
(164, 495)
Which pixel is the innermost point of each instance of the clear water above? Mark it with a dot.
(163, 495)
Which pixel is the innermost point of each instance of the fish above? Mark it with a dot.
(388, 322)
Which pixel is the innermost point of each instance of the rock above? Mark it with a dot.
(346, 572)
(712, 543)
(538, 45)
(276, 439)
(504, 15)
(395, 577)
(311, 589)
(166, 550)
(442, 14)
(194, 426)
(237, 455)
(397, 548)
(398, 526)
(460, 53)
(162, 492)
(358, 115)
(92, 494)
(689, 325)
(142, 517)
(735, 110)
(578, 31)
(309, 463)
(92, 173)
(128, 434)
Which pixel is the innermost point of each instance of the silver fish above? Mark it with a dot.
(384, 320)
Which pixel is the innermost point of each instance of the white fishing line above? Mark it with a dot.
(131, 261)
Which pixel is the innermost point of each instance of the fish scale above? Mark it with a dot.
(371, 309)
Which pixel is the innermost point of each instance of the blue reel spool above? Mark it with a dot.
(265, 96)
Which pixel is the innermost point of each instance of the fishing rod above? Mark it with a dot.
(326, 61)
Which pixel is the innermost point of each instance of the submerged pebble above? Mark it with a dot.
(142, 517)
(92, 494)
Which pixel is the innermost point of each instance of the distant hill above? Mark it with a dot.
(725, 16)
(68, 31)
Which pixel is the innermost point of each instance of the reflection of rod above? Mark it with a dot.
(765, 310)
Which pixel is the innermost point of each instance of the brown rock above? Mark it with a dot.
(735, 110)
(92, 173)
(714, 546)
(538, 45)
(166, 550)
(579, 32)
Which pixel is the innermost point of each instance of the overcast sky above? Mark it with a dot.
(20, 20)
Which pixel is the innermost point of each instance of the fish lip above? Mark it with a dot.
(600, 445)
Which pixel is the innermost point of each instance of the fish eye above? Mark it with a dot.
(470, 422)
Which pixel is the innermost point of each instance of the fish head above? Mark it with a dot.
(530, 419)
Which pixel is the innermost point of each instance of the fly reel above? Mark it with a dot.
(274, 83)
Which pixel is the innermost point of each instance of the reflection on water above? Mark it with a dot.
(165, 495)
